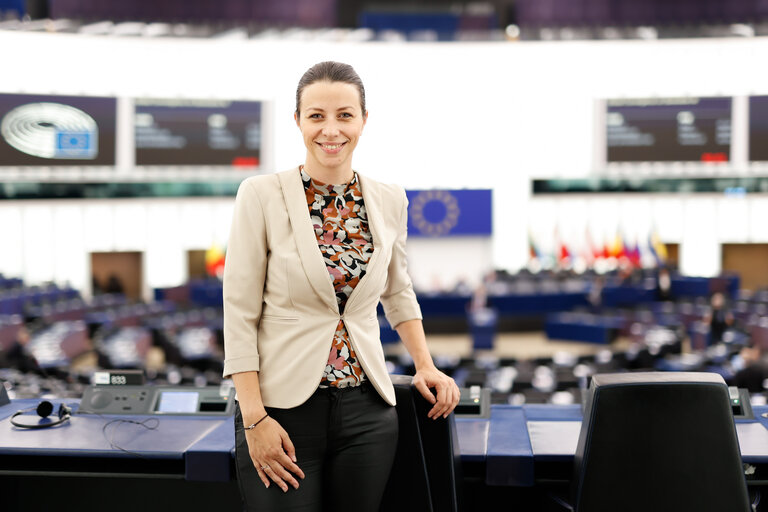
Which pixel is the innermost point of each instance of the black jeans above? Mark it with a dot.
(345, 442)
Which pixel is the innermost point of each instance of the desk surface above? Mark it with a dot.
(549, 433)
(191, 447)
(511, 445)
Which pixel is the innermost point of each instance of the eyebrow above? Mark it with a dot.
(318, 109)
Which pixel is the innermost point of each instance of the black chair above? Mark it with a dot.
(661, 442)
(426, 471)
(4, 399)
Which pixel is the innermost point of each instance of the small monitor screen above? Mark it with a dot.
(177, 402)
(758, 128)
(668, 130)
(198, 132)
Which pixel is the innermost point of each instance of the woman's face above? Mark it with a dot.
(331, 122)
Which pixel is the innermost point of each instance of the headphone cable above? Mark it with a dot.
(148, 423)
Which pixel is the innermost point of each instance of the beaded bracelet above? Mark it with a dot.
(253, 425)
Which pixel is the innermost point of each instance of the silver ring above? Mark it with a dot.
(263, 468)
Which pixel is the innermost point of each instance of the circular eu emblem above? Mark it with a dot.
(434, 212)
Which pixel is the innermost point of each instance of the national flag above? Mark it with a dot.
(533, 252)
(633, 254)
(214, 261)
(606, 250)
(592, 252)
(562, 254)
(658, 249)
(617, 249)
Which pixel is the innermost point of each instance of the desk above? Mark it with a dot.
(516, 455)
(196, 448)
(186, 463)
(684, 286)
(511, 443)
(545, 438)
(582, 327)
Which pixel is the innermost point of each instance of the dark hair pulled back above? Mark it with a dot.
(330, 71)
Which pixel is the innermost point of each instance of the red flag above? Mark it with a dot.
(592, 252)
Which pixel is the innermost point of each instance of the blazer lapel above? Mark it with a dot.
(373, 208)
(304, 235)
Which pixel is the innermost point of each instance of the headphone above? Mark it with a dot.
(44, 409)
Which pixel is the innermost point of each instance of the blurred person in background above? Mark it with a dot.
(718, 318)
(663, 285)
(19, 357)
(754, 375)
(595, 294)
(311, 252)
(114, 284)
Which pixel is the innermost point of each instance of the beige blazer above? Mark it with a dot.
(280, 310)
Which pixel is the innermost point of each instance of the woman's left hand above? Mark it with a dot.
(447, 391)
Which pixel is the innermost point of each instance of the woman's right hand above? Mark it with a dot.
(273, 454)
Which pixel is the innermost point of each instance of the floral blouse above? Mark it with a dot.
(341, 226)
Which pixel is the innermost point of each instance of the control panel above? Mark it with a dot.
(160, 400)
(740, 404)
(475, 402)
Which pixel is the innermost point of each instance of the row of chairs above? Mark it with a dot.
(237, 12)
(556, 13)
(14, 301)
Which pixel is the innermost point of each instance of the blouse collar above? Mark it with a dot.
(327, 189)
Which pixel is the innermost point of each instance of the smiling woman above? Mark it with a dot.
(338, 239)
(331, 116)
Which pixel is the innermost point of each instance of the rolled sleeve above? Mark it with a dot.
(244, 274)
(399, 299)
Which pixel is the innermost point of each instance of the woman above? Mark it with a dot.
(311, 252)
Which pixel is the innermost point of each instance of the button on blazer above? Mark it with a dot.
(280, 309)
